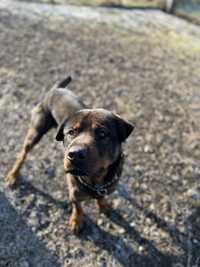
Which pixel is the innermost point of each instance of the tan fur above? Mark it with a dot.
(11, 177)
(60, 107)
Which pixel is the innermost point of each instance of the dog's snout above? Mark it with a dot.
(77, 153)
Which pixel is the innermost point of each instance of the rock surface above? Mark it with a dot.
(143, 65)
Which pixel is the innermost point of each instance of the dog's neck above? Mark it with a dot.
(105, 175)
(115, 168)
(109, 181)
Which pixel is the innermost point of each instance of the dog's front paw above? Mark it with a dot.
(75, 224)
(11, 179)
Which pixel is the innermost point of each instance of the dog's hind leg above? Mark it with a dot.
(41, 122)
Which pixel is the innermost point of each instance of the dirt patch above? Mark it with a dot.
(142, 64)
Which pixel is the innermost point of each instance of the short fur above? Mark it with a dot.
(92, 145)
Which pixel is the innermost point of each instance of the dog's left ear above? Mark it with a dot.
(60, 132)
(124, 128)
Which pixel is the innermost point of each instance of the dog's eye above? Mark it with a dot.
(102, 134)
(72, 132)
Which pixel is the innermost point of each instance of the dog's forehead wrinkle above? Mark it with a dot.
(92, 120)
(76, 120)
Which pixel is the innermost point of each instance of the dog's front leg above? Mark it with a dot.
(102, 205)
(76, 217)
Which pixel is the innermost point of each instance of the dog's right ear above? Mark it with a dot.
(60, 133)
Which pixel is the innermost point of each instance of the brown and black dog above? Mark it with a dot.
(92, 141)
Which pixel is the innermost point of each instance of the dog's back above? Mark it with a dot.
(61, 102)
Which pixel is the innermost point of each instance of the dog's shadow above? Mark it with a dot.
(120, 248)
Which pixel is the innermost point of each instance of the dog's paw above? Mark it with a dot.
(11, 179)
(75, 224)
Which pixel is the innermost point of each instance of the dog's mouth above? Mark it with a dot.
(76, 172)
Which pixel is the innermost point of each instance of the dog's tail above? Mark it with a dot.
(65, 82)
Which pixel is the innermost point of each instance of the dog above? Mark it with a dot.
(92, 139)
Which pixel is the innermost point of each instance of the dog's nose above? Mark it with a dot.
(77, 153)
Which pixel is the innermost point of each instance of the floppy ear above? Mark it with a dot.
(124, 128)
(60, 132)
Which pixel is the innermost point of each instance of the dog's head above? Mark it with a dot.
(92, 140)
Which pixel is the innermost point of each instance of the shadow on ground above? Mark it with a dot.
(14, 232)
(117, 246)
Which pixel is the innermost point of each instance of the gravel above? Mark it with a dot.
(143, 65)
